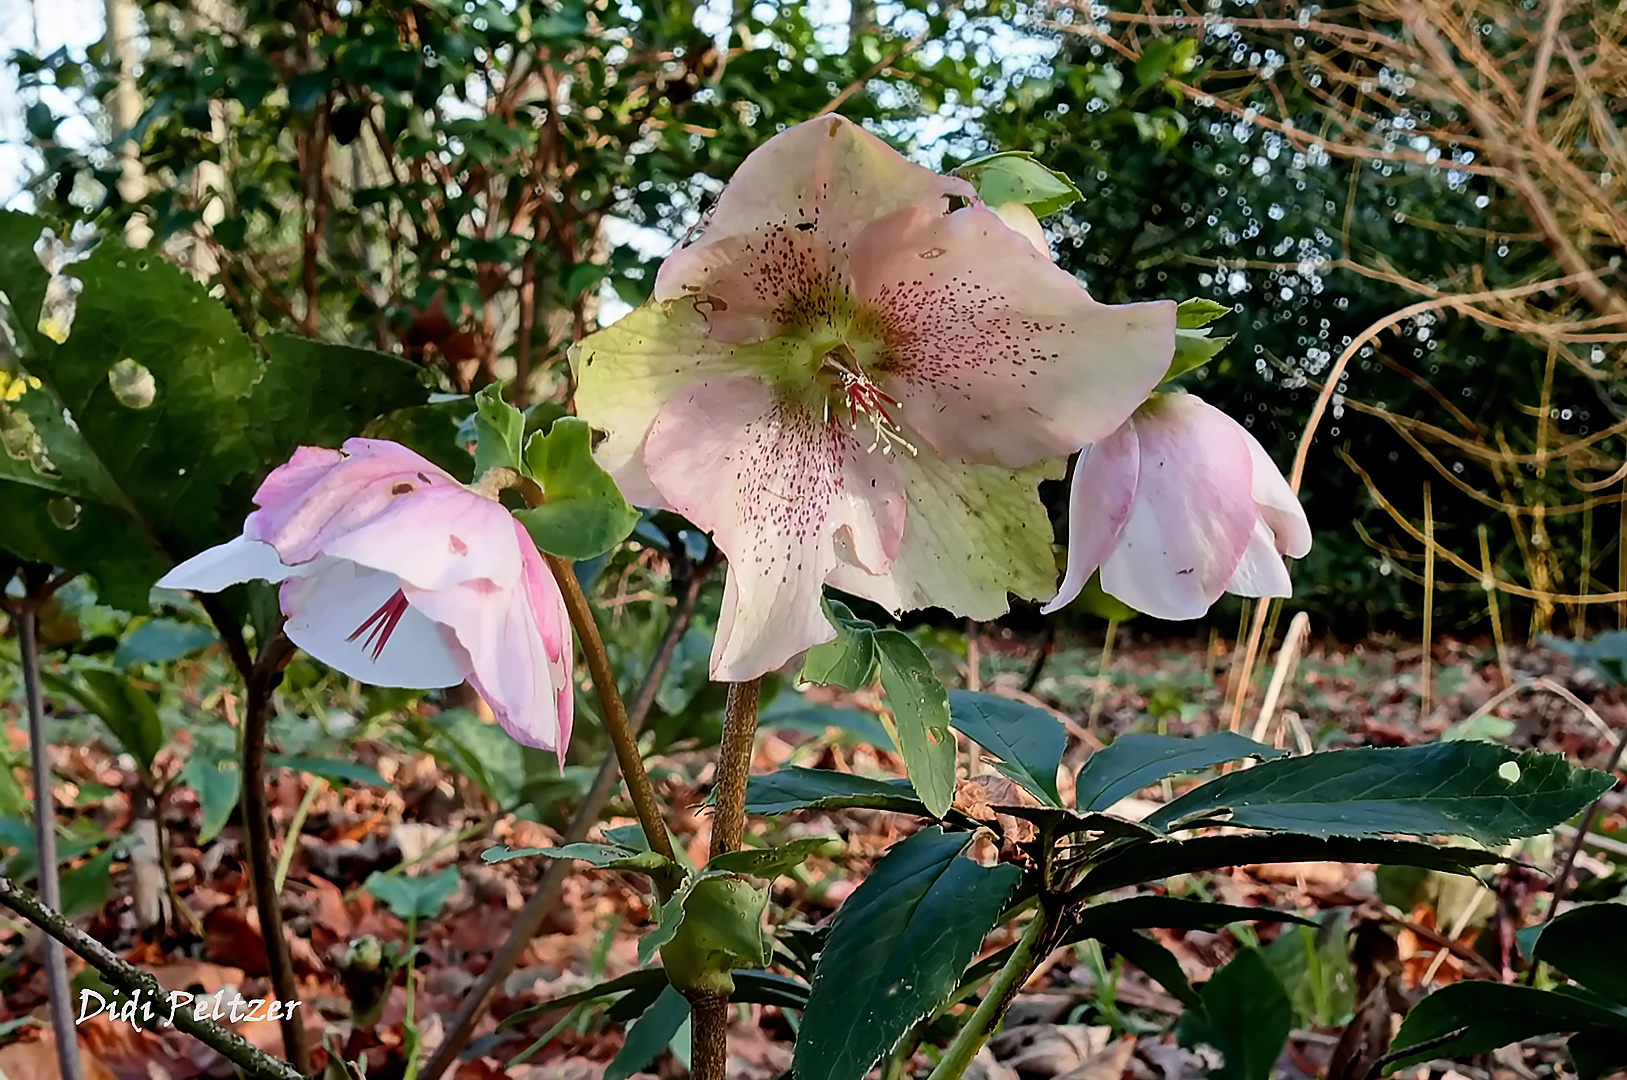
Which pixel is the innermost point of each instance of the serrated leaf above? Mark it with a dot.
(1245, 1015)
(584, 515)
(1492, 1015)
(1028, 741)
(1193, 349)
(848, 660)
(1132, 762)
(1016, 177)
(1165, 913)
(797, 788)
(1447, 789)
(896, 950)
(420, 897)
(772, 862)
(1196, 312)
(920, 709)
(498, 430)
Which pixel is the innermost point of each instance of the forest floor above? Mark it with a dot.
(1080, 1017)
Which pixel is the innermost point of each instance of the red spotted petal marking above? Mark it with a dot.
(864, 396)
(383, 623)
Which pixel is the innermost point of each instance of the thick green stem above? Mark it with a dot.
(995, 1002)
(610, 703)
(56, 969)
(123, 976)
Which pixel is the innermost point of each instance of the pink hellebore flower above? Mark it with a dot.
(396, 574)
(1178, 506)
(848, 381)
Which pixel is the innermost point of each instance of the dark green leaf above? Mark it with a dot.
(313, 393)
(896, 951)
(1136, 863)
(1471, 789)
(216, 783)
(667, 918)
(1132, 762)
(125, 708)
(641, 979)
(338, 773)
(920, 710)
(419, 897)
(1245, 1015)
(1165, 912)
(1589, 944)
(758, 987)
(1029, 742)
(797, 788)
(792, 713)
(584, 515)
(85, 888)
(649, 1035)
(1156, 961)
(1496, 1014)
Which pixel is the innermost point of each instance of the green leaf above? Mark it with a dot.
(1156, 961)
(648, 979)
(771, 862)
(498, 427)
(593, 854)
(1198, 312)
(722, 927)
(1016, 177)
(584, 515)
(1496, 1014)
(667, 918)
(1132, 762)
(1193, 349)
(797, 788)
(85, 888)
(125, 708)
(339, 773)
(1165, 912)
(314, 393)
(159, 641)
(1447, 789)
(1589, 944)
(1605, 652)
(896, 951)
(1314, 966)
(1137, 863)
(1028, 741)
(1246, 1016)
(790, 712)
(848, 660)
(649, 1035)
(920, 710)
(216, 783)
(419, 897)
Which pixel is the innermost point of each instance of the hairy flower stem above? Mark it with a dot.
(25, 615)
(610, 704)
(710, 1012)
(123, 976)
(1024, 959)
(593, 804)
(262, 679)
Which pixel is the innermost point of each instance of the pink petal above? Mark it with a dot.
(1192, 516)
(827, 178)
(292, 479)
(434, 537)
(757, 286)
(994, 353)
(1104, 486)
(1279, 506)
(1262, 571)
(776, 484)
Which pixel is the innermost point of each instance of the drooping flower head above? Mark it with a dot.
(857, 376)
(396, 574)
(1178, 506)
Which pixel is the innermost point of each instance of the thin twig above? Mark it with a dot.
(129, 979)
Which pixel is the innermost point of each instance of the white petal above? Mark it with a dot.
(326, 609)
(1278, 503)
(237, 560)
(1262, 571)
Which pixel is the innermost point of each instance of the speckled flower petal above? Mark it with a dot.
(974, 534)
(827, 177)
(1192, 517)
(776, 485)
(626, 372)
(1103, 490)
(994, 354)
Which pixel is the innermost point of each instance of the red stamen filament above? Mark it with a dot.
(383, 623)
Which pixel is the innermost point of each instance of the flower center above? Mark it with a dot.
(382, 623)
(863, 397)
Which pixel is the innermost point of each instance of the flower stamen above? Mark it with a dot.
(864, 396)
(382, 622)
